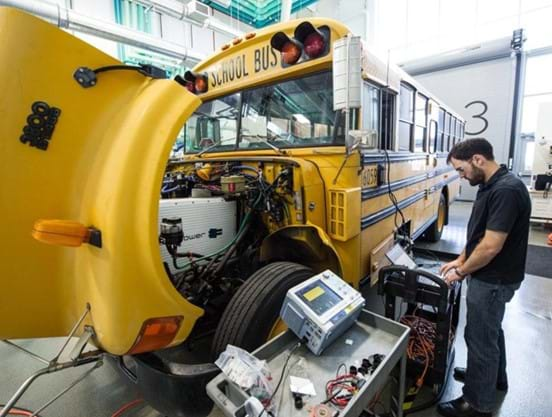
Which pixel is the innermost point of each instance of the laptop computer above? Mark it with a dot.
(398, 256)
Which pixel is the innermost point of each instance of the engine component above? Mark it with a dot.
(171, 231)
(210, 224)
(233, 184)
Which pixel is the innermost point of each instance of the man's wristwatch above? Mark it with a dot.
(459, 273)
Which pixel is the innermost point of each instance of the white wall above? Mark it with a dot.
(168, 28)
(99, 9)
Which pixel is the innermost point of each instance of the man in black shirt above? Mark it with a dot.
(494, 261)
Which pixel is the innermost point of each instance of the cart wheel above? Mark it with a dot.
(434, 232)
(253, 315)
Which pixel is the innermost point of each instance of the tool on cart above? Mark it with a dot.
(320, 309)
(369, 334)
(432, 313)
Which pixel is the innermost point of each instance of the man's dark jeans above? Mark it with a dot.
(485, 341)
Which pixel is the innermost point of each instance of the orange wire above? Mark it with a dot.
(127, 406)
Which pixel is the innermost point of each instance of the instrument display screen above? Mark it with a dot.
(319, 297)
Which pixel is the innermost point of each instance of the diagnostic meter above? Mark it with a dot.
(320, 309)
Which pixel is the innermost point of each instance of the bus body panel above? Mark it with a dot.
(102, 167)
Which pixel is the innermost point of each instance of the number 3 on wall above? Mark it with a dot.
(479, 116)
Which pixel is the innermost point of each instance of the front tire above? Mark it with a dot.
(253, 314)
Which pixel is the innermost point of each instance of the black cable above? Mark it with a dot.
(293, 349)
(392, 196)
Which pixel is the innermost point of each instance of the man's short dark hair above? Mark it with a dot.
(464, 150)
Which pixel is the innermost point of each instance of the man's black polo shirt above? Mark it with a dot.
(502, 205)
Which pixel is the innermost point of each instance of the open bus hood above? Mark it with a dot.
(102, 167)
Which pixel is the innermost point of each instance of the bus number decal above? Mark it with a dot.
(369, 177)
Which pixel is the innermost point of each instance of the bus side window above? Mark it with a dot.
(406, 117)
(441, 134)
(387, 130)
(371, 110)
(453, 132)
(433, 135)
(446, 139)
(421, 123)
(458, 130)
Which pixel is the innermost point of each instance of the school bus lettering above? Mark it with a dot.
(230, 70)
(265, 58)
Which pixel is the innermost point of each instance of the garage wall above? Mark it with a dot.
(189, 35)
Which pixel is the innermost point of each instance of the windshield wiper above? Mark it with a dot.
(264, 140)
(208, 148)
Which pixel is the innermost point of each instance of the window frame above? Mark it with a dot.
(410, 123)
(425, 147)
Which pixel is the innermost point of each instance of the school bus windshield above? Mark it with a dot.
(294, 113)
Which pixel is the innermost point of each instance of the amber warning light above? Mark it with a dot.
(196, 83)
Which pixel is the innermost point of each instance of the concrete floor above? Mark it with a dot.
(528, 328)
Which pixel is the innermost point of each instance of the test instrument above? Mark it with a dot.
(320, 309)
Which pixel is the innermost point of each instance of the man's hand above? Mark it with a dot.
(452, 276)
(448, 266)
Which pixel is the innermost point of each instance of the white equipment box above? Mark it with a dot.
(320, 309)
(208, 224)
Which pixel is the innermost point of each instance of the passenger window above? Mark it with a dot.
(453, 131)
(446, 139)
(387, 119)
(441, 130)
(421, 123)
(406, 117)
(433, 135)
(371, 111)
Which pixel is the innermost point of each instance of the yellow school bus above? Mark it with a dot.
(85, 145)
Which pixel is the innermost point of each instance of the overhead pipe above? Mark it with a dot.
(181, 10)
(71, 20)
(286, 10)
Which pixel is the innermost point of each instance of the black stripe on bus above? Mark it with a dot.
(388, 211)
(395, 185)
(402, 183)
(374, 158)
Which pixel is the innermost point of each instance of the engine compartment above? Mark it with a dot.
(257, 197)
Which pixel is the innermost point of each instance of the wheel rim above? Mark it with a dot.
(279, 327)
(441, 215)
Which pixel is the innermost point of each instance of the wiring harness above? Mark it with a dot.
(342, 388)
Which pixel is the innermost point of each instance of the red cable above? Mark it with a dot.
(125, 407)
(18, 412)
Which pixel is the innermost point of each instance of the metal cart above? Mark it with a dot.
(369, 335)
(416, 286)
